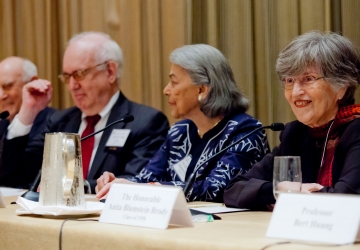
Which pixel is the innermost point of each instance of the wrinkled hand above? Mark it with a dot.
(288, 185)
(310, 187)
(102, 193)
(104, 179)
(36, 95)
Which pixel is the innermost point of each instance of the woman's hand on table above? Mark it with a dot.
(310, 187)
(104, 179)
(102, 193)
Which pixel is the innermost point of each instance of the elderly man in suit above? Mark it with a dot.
(92, 66)
(15, 73)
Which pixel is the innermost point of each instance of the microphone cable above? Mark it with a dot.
(62, 226)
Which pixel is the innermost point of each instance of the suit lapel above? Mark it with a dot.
(72, 124)
(119, 110)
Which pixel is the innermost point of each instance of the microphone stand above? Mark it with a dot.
(190, 182)
(32, 195)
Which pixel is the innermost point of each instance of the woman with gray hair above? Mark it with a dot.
(202, 92)
(319, 73)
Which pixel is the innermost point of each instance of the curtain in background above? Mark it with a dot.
(250, 33)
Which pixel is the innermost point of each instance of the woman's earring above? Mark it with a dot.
(199, 98)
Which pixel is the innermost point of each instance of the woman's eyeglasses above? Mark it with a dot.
(305, 82)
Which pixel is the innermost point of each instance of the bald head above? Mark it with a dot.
(91, 66)
(12, 64)
(99, 46)
(15, 72)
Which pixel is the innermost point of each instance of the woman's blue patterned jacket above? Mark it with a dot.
(211, 177)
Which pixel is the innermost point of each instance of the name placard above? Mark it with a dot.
(146, 205)
(118, 137)
(324, 218)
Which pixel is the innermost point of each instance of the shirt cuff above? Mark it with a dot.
(17, 129)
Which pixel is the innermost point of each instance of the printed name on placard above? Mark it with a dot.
(316, 218)
(146, 205)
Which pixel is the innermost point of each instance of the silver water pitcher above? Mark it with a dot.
(62, 182)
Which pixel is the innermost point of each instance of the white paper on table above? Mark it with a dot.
(11, 191)
(32, 207)
(219, 209)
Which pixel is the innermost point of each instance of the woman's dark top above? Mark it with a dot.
(254, 188)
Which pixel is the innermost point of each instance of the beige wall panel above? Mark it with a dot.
(93, 15)
(130, 41)
(237, 44)
(69, 20)
(151, 53)
(264, 66)
(7, 28)
(38, 29)
(174, 15)
(312, 15)
(212, 20)
(112, 18)
(351, 26)
(25, 29)
(35, 38)
(286, 27)
(285, 22)
(350, 21)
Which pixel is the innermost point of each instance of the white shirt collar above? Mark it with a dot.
(108, 107)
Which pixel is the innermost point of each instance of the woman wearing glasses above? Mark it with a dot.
(202, 91)
(319, 73)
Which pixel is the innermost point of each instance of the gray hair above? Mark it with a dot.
(108, 50)
(207, 65)
(29, 70)
(336, 56)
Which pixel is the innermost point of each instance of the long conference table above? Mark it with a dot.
(241, 230)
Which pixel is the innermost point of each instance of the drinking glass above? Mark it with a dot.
(287, 176)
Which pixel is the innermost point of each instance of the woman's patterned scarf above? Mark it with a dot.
(344, 115)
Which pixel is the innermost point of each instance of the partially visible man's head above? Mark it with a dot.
(91, 65)
(15, 72)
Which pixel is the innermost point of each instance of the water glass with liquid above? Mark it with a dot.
(287, 176)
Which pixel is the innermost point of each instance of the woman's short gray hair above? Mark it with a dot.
(207, 65)
(336, 56)
(108, 50)
(29, 70)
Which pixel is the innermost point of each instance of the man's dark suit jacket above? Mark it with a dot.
(148, 131)
(9, 176)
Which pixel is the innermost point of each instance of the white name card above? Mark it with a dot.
(324, 218)
(146, 205)
(118, 137)
(2, 201)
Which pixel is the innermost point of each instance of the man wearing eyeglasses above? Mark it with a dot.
(16, 73)
(92, 66)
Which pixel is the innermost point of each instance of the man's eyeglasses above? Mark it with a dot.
(78, 74)
(305, 82)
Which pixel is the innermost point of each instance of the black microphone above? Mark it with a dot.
(33, 195)
(126, 119)
(190, 182)
(4, 114)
